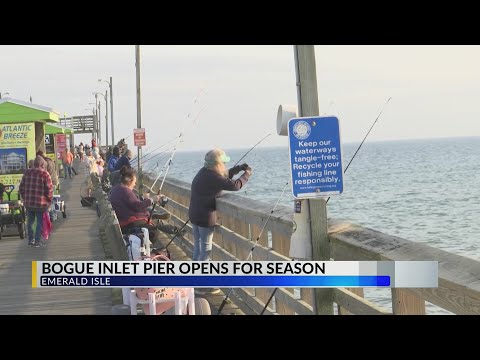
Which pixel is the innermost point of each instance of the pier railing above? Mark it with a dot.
(240, 220)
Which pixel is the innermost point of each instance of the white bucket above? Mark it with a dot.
(4, 209)
(56, 202)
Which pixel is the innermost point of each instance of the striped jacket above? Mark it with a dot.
(36, 189)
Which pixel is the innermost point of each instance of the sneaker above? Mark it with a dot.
(162, 216)
(31, 243)
(207, 291)
(39, 244)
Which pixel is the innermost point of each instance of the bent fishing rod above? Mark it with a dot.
(167, 165)
(253, 147)
(371, 127)
(169, 162)
(186, 222)
(161, 155)
(346, 168)
(152, 151)
(250, 254)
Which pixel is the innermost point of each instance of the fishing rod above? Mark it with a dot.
(201, 92)
(153, 168)
(169, 162)
(151, 151)
(177, 233)
(179, 137)
(153, 156)
(161, 155)
(250, 254)
(186, 222)
(371, 127)
(251, 149)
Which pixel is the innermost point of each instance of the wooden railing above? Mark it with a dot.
(109, 231)
(240, 220)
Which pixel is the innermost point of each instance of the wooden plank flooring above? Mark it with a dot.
(235, 306)
(73, 238)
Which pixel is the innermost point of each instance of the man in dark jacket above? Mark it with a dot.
(124, 160)
(206, 186)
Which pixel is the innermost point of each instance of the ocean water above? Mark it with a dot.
(422, 190)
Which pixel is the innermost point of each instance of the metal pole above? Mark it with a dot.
(139, 116)
(111, 110)
(99, 123)
(94, 131)
(99, 132)
(308, 106)
(106, 117)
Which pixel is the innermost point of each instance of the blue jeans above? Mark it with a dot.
(202, 245)
(31, 216)
(69, 168)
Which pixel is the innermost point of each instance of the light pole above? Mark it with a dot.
(110, 83)
(106, 115)
(97, 115)
(139, 115)
(94, 131)
(95, 127)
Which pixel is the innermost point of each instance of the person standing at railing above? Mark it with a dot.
(124, 160)
(207, 185)
(112, 161)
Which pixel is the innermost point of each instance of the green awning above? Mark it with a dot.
(14, 111)
(54, 129)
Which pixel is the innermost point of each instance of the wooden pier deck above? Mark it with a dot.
(73, 238)
(234, 306)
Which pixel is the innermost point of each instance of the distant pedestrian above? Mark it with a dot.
(67, 160)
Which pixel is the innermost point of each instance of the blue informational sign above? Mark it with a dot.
(315, 157)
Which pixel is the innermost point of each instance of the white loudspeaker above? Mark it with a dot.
(285, 113)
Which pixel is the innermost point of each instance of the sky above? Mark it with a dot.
(228, 96)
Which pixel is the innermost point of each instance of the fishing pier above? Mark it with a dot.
(85, 236)
(240, 221)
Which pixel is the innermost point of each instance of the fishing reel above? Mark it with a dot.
(163, 201)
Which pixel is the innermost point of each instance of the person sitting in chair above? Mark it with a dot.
(131, 211)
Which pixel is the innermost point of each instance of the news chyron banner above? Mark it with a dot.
(17, 147)
(235, 274)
